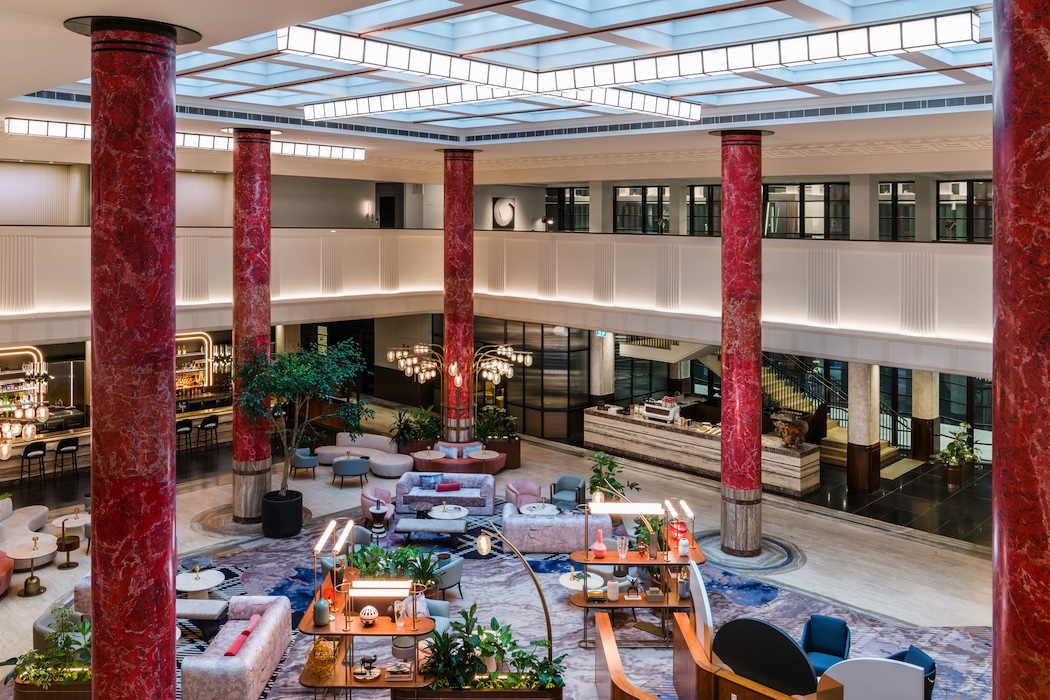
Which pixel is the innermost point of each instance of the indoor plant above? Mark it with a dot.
(405, 432)
(63, 668)
(958, 458)
(498, 430)
(605, 473)
(428, 425)
(289, 382)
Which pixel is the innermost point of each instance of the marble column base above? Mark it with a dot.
(742, 522)
(924, 435)
(250, 481)
(863, 468)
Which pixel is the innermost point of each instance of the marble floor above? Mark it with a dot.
(886, 570)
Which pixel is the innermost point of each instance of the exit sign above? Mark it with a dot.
(600, 334)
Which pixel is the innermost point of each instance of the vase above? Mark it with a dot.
(321, 613)
(599, 547)
(612, 590)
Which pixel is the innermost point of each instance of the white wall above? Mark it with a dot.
(203, 199)
(917, 305)
(529, 206)
(42, 194)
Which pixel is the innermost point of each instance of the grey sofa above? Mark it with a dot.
(214, 676)
(477, 492)
(554, 534)
(19, 526)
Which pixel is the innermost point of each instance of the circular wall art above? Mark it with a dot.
(503, 212)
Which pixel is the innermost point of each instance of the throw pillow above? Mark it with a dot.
(243, 636)
(252, 622)
(421, 606)
(452, 486)
(430, 481)
(450, 451)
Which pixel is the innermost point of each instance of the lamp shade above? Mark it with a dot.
(30, 431)
(483, 544)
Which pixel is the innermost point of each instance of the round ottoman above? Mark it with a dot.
(391, 466)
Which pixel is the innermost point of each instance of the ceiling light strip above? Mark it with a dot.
(82, 132)
(955, 29)
(425, 98)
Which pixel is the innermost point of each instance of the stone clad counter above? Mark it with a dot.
(793, 472)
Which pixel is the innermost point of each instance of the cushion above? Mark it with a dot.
(421, 606)
(449, 450)
(822, 662)
(430, 481)
(917, 657)
(243, 636)
(448, 487)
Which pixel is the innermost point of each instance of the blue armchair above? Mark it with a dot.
(405, 647)
(569, 488)
(451, 574)
(350, 466)
(302, 460)
(917, 657)
(825, 641)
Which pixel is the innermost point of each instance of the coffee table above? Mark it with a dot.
(32, 552)
(195, 584)
(421, 508)
(447, 512)
(483, 454)
(74, 520)
(539, 509)
(429, 455)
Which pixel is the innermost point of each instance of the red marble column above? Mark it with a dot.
(741, 342)
(133, 355)
(1021, 353)
(459, 289)
(251, 311)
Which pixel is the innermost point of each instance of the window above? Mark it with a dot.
(636, 379)
(705, 382)
(967, 400)
(964, 211)
(641, 209)
(705, 210)
(896, 211)
(569, 207)
(814, 210)
(895, 393)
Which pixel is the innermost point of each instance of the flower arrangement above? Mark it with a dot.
(792, 429)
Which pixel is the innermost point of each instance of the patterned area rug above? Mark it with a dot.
(498, 586)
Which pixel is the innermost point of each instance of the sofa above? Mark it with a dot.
(381, 452)
(7, 567)
(456, 460)
(552, 534)
(19, 526)
(243, 676)
(477, 492)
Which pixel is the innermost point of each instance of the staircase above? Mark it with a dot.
(833, 447)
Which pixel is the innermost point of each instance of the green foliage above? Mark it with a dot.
(405, 429)
(289, 382)
(66, 658)
(4, 495)
(351, 413)
(960, 450)
(641, 532)
(373, 561)
(456, 658)
(769, 404)
(424, 569)
(494, 423)
(421, 424)
(605, 474)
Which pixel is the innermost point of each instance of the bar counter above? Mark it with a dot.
(790, 471)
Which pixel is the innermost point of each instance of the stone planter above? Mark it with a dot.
(956, 476)
(68, 691)
(511, 447)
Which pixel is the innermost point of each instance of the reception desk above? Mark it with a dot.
(793, 472)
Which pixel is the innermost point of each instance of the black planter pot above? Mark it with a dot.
(282, 517)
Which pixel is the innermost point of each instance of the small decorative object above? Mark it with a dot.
(683, 583)
(643, 549)
(399, 612)
(622, 545)
(322, 612)
(683, 547)
(369, 615)
(444, 507)
(791, 428)
(321, 659)
(654, 595)
(196, 569)
(595, 595)
(612, 590)
(599, 547)
(654, 545)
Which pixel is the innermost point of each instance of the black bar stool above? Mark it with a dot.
(183, 434)
(34, 450)
(67, 447)
(209, 429)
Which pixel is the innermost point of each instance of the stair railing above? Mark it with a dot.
(798, 378)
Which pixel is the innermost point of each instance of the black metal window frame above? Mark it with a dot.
(644, 226)
(710, 222)
(563, 208)
(976, 406)
(894, 218)
(945, 224)
(801, 217)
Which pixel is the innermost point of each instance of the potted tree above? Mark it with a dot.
(428, 425)
(605, 473)
(958, 458)
(498, 430)
(406, 436)
(281, 388)
(62, 670)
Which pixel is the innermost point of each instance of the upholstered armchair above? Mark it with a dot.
(7, 567)
(569, 487)
(917, 657)
(825, 641)
(521, 491)
(303, 460)
(451, 573)
(372, 495)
